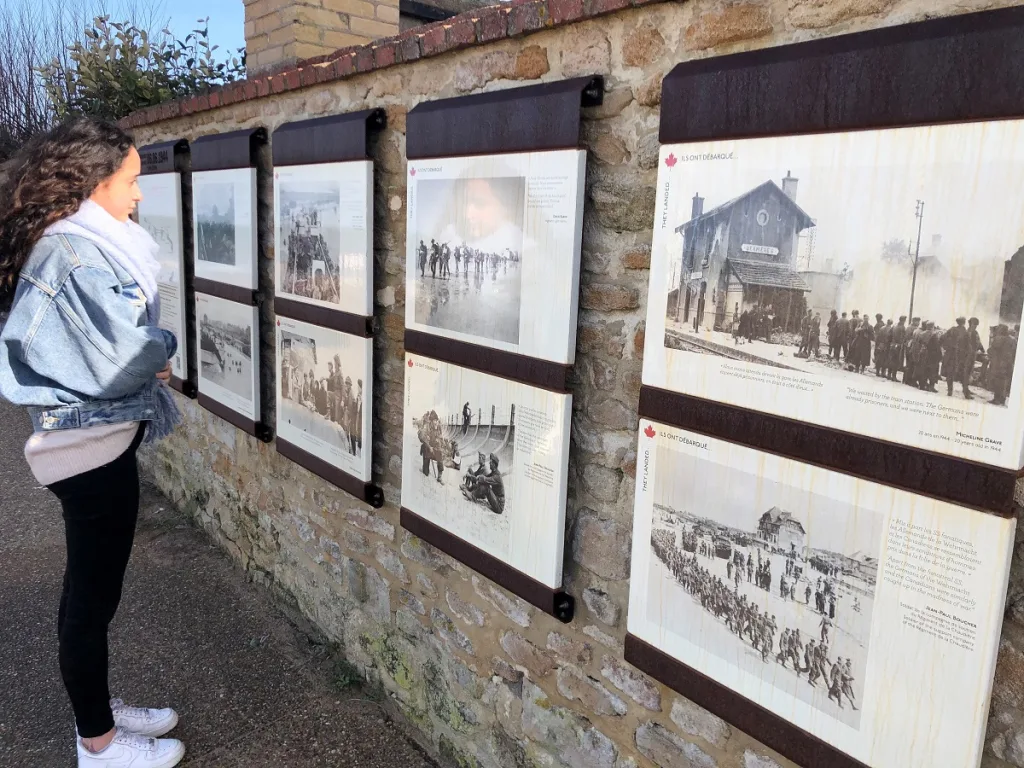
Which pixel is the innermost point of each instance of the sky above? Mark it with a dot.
(736, 498)
(227, 17)
(861, 188)
(227, 21)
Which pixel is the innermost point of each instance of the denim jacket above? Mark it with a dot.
(76, 347)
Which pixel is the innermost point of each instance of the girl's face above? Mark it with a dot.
(119, 194)
(484, 211)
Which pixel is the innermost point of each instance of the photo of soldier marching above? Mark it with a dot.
(884, 273)
(467, 255)
(768, 591)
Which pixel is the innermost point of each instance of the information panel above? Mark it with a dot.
(865, 616)
(224, 221)
(869, 281)
(229, 354)
(160, 214)
(324, 231)
(486, 459)
(493, 250)
(325, 394)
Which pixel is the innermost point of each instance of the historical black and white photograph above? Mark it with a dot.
(468, 244)
(162, 229)
(214, 211)
(322, 237)
(775, 580)
(323, 393)
(493, 250)
(890, 259)
(466, 455)
(867, 616)
(486, 459)
(226, 337)
(160, 215)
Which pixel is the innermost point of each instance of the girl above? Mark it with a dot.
(82, 350)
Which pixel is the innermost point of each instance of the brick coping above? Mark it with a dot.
(475, 27)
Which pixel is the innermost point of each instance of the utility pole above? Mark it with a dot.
(919, 213)
(811, 236)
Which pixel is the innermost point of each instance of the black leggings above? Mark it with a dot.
(100, 510)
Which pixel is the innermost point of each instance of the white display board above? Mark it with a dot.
(486, 459)
(324, 235)
(493, 250)
(228, 338)
(752, 234)
(735, 550)
(325, 394)
(224, 223)
(160, 214)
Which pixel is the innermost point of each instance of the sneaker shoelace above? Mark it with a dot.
(118, 707)
(129, 739)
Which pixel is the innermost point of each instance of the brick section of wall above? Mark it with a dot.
(482, 677)
(281, 33)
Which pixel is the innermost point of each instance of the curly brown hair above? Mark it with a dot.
(48, 180)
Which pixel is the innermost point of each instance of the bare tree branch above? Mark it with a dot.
(33, 34)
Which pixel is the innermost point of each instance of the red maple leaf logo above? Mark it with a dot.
(412, 171)
(410, 363)
(650, 431)
(671, 160)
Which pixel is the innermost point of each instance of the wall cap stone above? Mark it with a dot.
(478, 26)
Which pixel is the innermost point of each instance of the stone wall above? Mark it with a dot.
(484, 678)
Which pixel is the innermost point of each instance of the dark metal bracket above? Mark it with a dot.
(535, 118)
(331, 139)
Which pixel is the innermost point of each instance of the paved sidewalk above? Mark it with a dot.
(252, 690)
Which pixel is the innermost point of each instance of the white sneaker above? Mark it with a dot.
(143, 720)
(129, 750)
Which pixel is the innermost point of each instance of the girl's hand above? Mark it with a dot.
(165, 374)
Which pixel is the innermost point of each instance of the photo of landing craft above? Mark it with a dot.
(318, 258)
(322, 390)
(477, 456)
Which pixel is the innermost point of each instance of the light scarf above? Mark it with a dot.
(133, 249)
(129, 245)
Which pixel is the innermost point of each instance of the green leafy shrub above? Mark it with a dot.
(118, 68)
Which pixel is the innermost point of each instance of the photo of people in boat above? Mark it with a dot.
(321, 238)
(321, 388)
